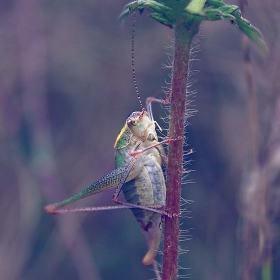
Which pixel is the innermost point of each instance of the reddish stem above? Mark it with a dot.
(183, 38)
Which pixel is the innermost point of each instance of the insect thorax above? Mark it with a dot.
(123, 138)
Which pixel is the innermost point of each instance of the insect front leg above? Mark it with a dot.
(167, 141)
(151, 99)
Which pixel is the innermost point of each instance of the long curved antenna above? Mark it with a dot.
(132, 61)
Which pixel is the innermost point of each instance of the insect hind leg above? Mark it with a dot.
(154, 208)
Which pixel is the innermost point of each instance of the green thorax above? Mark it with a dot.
(121, 145)
(123, 138)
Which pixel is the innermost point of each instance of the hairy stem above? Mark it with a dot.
(183, 38)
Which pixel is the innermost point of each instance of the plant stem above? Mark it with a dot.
(183, 38)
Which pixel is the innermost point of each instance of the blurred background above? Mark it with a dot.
(66, 89)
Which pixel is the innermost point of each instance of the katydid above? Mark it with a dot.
(138, 174)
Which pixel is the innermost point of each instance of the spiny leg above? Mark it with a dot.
(154, 208)
(151, 99)
(87, 209)
(167, 141)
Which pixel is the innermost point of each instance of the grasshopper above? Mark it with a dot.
(138, 174)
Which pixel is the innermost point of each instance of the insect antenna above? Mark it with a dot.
(133, 62)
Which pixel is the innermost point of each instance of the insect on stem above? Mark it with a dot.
(140, 178)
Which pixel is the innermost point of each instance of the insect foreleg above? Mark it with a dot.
(149, 101)
(167, 141)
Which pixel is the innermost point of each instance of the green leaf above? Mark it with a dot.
(232, 12)
(214, 3)
(211, 14)
(160, 19)
(167, 12)
(228, 9)
(252, 32)
(178, 5)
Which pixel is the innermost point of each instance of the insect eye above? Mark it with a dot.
(132, 122)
